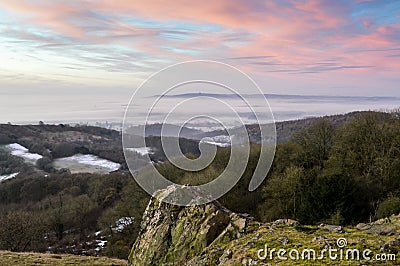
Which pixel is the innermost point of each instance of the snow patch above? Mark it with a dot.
(100, 244)
(142, 150)
(6, 177)
(91, 160)
(20, 151)
(123, 222)
(221, 140)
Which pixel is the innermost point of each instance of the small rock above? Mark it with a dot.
(318, 239)
(288, 222)
(240, 224)
(363, 226)
(226, 256)
(229, 253)
(257, 236)
(395, 243)
(386, 248)
(363, 242)
(382, 229)
(250, 244)
(332, 228)
(283, 240)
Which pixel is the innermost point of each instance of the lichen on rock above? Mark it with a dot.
(172, 234)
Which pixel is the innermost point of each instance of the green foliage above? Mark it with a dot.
(118, 249)
(282, 194)
(44, 163)
(389, 206)
(329, 172)
(315, 143)
(348, 171)
(72, 206)
(11, 164)
(21, 231)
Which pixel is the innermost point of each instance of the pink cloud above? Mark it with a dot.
(302, 36)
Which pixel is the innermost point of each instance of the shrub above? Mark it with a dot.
(389, 206)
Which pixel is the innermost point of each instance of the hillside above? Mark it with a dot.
(26, 259)
(212, 235)
(285, 130)
(341, 169)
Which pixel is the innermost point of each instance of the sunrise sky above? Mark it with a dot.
(288, 47)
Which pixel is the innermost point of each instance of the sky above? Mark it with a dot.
(54, 54)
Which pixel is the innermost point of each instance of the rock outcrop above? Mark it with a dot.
(173, 235)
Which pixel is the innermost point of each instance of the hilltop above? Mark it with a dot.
(213, 235)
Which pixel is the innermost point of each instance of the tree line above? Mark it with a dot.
(326, 173)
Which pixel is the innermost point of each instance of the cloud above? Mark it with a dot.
(281, 37)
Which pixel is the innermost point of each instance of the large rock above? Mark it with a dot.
(387, 226)
(172, 234)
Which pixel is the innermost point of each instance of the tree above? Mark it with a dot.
(368, 148)
(44, 163)
(282, 195)
(316, 143)
(389, 206)
(81, 212)
(21, 231)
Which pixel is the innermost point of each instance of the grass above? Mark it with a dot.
(244, 249)
(13, 258)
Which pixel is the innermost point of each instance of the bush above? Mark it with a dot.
(44, 163)
(389, 206)
(22, 231)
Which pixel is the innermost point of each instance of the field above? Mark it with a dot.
(11, 258)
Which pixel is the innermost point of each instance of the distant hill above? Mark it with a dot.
(280, 96)
(286, 129)
(169, 130)
(11, 133)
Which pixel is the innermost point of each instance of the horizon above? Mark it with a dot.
(204, 126)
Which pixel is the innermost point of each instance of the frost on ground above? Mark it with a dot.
(123, 222)
(86, 163)
(100, 244)
(221, 140)
(20, 151)
(5, 177)
(142, 150)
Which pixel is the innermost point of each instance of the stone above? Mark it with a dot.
(172, 235)
(283, 240)
(319, 239)
(363, 226)
(332, 228)
(395, 243)
(382, 229)
(287, 222)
